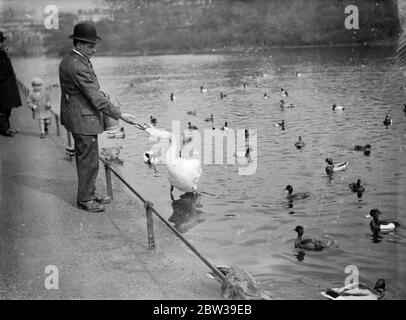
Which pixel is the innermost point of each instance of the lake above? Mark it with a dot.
(246, 220)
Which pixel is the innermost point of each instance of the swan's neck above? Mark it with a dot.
(171, 153)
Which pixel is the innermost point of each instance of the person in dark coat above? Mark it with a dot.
(9, 93)
(83, 106)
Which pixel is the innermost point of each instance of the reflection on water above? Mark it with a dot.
(187, 211)
(258, 238)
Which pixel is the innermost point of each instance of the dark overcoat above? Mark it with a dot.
(82, 102)
(9, 93)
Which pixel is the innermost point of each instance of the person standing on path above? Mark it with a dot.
(83, 106)
(9, 93)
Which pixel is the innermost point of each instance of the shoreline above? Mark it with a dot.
(228, 50)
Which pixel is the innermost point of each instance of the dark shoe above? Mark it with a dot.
(7, 133)
(91, 206)
(42, 136)
(102, 200)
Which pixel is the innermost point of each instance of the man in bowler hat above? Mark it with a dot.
(9, 93)
(83, 106)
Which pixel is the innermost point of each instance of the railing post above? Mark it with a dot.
(58, 131)
(150, 225)
(108, 180)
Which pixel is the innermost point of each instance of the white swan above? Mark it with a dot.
(183, 174)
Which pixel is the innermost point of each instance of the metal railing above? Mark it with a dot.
(149, 211)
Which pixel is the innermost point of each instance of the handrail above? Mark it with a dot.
(149, 208)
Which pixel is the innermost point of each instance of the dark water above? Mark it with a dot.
(246, 220)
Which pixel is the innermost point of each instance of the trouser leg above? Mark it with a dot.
(4, 121)
(42, 126)
(87, 165)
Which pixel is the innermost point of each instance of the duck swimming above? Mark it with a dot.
(239, 285)
(387, 121)
(279, 124)
(381, 225)
(225, 127)
(153, 120)
(190, 127)
(298, 74)
(336, 107)
(172, 96)
(151, 157)
(282, 104)
(203, 89)
(356, 291)
(192, 113)
(266, 96)
(362, 148)
(357, 187)
(308, 243)
(222, 95)
(300, 144)
(296, 196)
(211, 118)
(284, 93)
(335, 167)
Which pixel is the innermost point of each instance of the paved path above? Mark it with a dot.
(98, 255)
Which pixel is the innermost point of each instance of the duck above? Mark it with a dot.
(296, 196)
(280, 124)
(357, 186)
(151, 157)
(335, 167)
(239, 284)
(192, 113)
(116, 134)
(309, 243)
(266, 96)
(298, 74)
(338, 108)
(222, 95)
(381, 225)
(284, 93)
(153, 121)
(190, 127)
(211, 118)
(387, 121)
(362, 148)
(356, 291)
(282, 104)
(366, 149)
(225, 127)
(172, 96)
(183, 174)
(300, 144)
(203, 89)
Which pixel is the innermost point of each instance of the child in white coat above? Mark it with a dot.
(39, 102)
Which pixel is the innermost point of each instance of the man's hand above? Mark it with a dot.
(129, 118)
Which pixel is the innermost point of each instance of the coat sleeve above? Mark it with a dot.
(84, 80)
(30, 102)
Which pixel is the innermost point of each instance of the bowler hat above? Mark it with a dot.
(36, 81)
(85, 32)
(2, 37)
